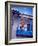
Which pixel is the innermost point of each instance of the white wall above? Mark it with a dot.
(25, 0)
(2, 22)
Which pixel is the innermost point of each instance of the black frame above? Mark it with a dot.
(6, 22)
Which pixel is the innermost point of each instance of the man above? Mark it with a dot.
(22, 26)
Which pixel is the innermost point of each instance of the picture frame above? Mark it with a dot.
(20, 16)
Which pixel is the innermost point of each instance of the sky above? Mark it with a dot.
(23, 10)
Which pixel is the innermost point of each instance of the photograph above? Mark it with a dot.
(21, 22)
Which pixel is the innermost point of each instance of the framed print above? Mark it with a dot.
(20, 22)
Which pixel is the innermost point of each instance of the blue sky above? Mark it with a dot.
(23, 10)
